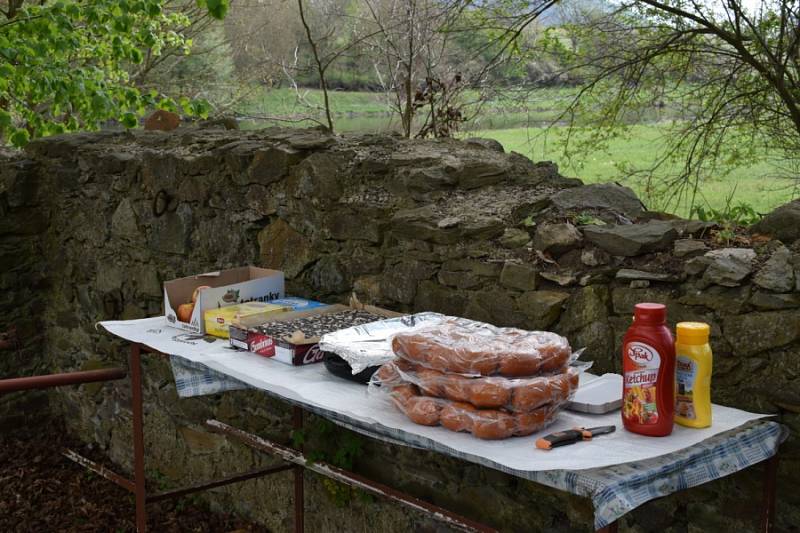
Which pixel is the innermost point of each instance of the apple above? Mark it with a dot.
(196, 292)
(185, 312)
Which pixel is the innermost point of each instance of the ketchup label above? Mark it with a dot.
(641, 374)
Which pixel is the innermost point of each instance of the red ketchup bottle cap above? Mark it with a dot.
(650, 313)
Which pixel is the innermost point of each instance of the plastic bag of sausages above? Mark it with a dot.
(489, 424)
(463, 346)
(517, 395)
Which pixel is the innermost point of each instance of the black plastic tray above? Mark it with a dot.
(341, 368)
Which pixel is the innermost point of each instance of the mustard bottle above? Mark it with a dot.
(693, 375)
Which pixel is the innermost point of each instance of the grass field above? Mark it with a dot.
(524, 132)
(755, 185)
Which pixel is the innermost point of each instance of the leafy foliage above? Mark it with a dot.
(64, 64)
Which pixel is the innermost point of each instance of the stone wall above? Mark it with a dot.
(94, 223)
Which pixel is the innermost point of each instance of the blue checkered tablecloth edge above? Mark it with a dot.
(614, 490)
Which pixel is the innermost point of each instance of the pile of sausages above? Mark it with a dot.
(467, 376)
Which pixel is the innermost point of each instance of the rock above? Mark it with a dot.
(631, 239)
(689, 247)
(269, 165)
(124, 223)
(588, 304)
(474, 266)
(696, 265)
(460, 280)
(400, 283)
(283, 248)
(495, 308)
(162, 120)
(448, 222)
(226, 123)
(623, 299)
(728, 266)
(600, 196)
(770, 300)
(556, 238)
(594, 257)
(423, 223)
(777, 274)
(327, 276)
(489, 144)
(514, 238)
(639, 284)
(517, 276)
(783, 223)
(542, 307)
(433, 297)
(756, 332)
(368, 289)
(202, 442)
(691, 227)
(722, 299)
(796, 265)
(171, 231)
(629, 273)
(564, 279)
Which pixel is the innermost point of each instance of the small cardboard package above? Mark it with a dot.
(217, 321)
(225, 287)
(299, 347)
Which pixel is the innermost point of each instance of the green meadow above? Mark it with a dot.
(524, 125)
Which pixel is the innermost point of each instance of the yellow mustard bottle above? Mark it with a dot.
(693, 375)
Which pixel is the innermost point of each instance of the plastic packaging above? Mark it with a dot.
(467, 347)
(517, 395)
(648, 368)
(693, 361)
(489, 424)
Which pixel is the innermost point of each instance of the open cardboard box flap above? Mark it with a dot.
(227, 287)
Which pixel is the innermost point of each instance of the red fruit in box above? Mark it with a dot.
(184, 312)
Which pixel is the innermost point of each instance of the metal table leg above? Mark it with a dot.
(768, 502)
(299, 518)
(138, 438)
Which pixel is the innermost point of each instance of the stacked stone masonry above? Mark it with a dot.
(92, 224)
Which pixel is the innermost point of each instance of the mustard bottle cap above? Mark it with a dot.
(693, 332)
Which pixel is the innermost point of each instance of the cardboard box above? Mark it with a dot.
(298, 304)
(226, 287)
(217, 321)
(294, 349)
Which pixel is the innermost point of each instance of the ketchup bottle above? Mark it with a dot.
(648, 368)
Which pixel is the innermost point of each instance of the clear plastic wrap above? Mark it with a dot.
(488, 424)
(462, 346)
(517, 395)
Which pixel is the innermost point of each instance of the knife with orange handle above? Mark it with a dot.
(571, 436)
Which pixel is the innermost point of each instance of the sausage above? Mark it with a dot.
(404, 365)
(402, 393)
(489, 392)
(467, 347)
(423, 411)
(528, 423)
(456, 388)
(554, 359)
(458, 416)
(388, 374)
(493, 425)
(529, 394)
(430, 381)
(520, 365)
